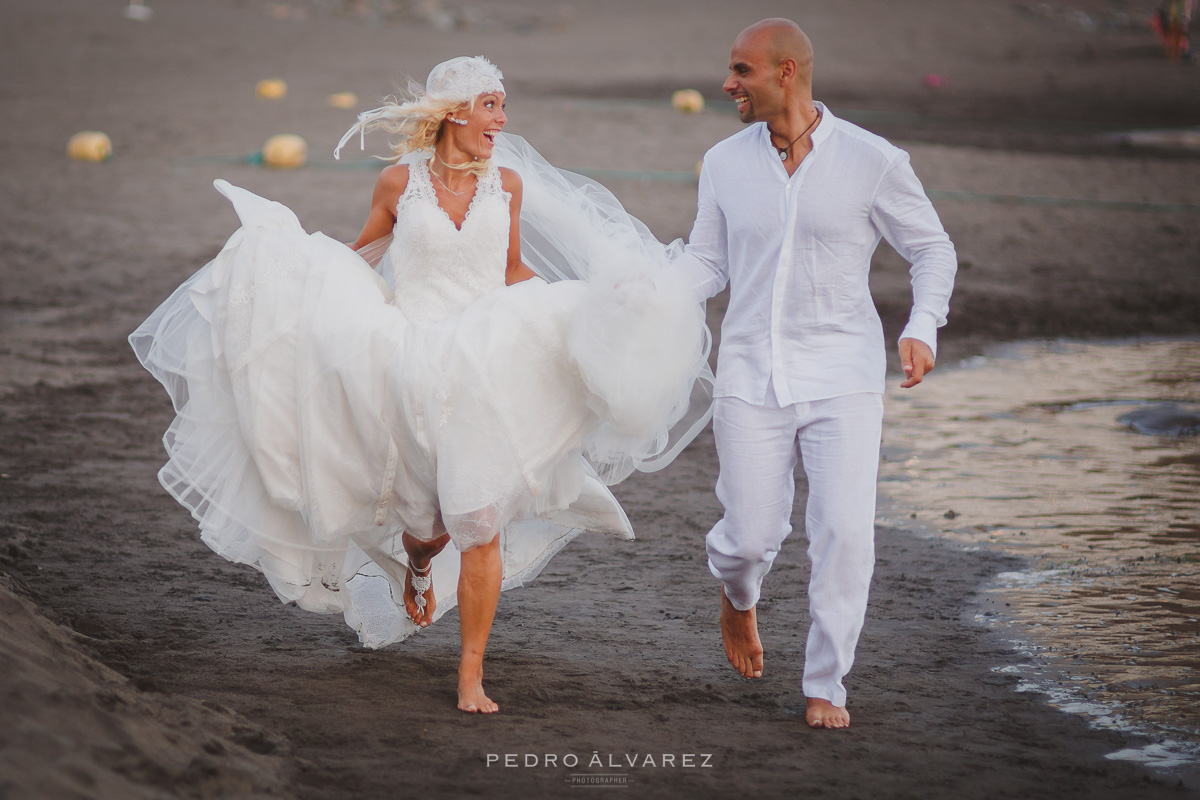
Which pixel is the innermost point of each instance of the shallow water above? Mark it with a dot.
(1022, 451)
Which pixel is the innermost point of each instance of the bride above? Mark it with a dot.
(337, 426)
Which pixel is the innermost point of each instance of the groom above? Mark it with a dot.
(790, 211)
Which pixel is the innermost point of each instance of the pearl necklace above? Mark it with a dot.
(442, 182)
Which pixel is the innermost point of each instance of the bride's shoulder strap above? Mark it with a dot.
(419, 183)
(494, 180)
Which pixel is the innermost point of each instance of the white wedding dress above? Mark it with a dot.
(320, 413)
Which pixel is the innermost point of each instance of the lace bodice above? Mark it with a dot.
(439, 269)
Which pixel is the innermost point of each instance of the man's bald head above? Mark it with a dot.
(770, 72)
(778, 40)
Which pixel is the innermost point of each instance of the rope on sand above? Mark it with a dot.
(933, 194)
(1062, 202)
(670, 176)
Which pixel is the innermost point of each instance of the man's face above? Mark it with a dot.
(753, 80)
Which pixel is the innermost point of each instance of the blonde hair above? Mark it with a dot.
(453, 87)
(420, 123)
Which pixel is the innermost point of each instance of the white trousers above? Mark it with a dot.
(838, 441)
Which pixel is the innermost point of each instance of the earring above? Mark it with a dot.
(458, 121)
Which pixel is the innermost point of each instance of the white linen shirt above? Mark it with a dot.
(795, 251)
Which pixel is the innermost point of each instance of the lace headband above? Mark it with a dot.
(459, 80)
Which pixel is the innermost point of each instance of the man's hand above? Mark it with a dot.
(917, 360)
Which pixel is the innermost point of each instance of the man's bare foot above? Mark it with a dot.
(824, 714)
(739, 635)
(471, 697)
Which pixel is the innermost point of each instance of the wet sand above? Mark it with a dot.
(1028, 452)
(138, 664)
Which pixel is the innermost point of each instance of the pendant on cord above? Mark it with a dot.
(783, 151)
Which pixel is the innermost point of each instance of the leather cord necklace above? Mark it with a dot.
(783, 151)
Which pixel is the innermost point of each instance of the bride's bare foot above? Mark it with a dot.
(478, 592)
(471, 697)
(420, 612)
(418, 577)
(739, 635)
(824, 714)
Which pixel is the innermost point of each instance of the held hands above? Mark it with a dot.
(917, 360)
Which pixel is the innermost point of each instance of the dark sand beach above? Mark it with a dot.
(135, 663)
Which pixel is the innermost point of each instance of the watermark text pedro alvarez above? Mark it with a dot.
(601, 761)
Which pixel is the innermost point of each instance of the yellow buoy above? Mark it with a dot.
(270, 89)
(688, 100)
(343, 100)
(285, 151)
(89, 146)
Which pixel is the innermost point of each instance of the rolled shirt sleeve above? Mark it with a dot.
(906, 218)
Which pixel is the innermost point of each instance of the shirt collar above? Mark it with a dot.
(825, 126)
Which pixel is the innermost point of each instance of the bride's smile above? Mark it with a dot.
(476, 139)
